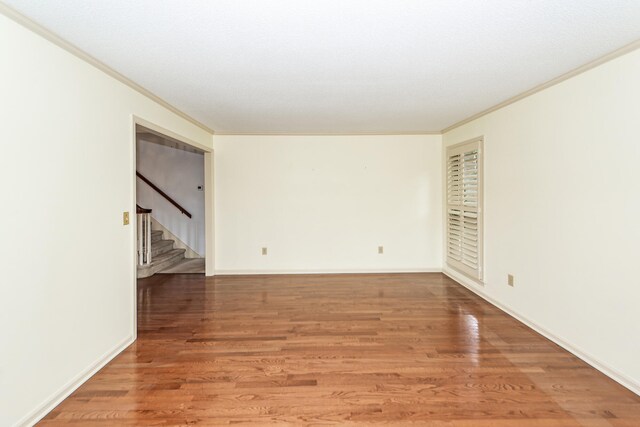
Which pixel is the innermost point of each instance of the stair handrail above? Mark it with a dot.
(141, 210)
(163, 194)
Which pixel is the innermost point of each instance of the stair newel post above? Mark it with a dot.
(144, 235)
(148, 238)
(139, 234)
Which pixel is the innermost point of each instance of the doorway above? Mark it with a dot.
(170, 203)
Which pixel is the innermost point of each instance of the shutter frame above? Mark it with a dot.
(464, 241)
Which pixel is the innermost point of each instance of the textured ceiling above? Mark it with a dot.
(338, 66)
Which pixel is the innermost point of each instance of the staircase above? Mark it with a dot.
(163, 255)
(155, 254)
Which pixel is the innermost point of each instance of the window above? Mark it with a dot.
(464, 207)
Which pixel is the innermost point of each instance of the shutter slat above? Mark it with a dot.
(463, 188)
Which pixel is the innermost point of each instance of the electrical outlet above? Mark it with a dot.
(380, 249)
(264, 251)
(125, 218)
(510, 279)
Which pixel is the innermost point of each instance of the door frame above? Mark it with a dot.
(209, 226)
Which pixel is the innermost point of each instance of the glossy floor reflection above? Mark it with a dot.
(339, 349)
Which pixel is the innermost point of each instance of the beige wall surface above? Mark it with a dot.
(561, 212)
(67, 287)
(325, 203)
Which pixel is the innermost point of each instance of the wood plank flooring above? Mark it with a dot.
(392, 349)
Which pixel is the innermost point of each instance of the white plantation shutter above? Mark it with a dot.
(464, 208)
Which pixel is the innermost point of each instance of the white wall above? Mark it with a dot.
(178, 173)
(325, 203)
(562, 209)
(66, 176)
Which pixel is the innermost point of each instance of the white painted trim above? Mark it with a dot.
(57, 40)
(461, 277)
(167, 134)
(349, 271)
(72, 49)
(37, 414)
(134, 235)
(209, 214)
(285, 133)
(566, 76)
(601, 366)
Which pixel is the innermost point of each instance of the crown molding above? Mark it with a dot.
(60, 42)
(566, 76)
(20, 19)
(219, 133)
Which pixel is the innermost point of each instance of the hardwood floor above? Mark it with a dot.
(339, 349)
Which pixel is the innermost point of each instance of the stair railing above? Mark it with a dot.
(163, 194)
(144, 235)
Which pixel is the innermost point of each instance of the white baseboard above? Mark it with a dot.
(49, 404)
(348, 271)
(601, 366)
